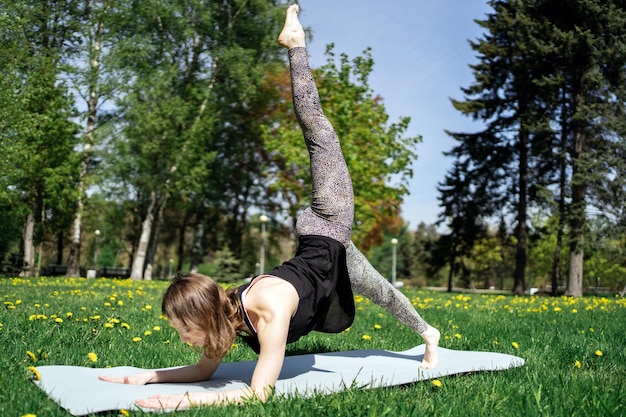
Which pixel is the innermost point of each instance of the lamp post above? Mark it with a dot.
(95, 250)
(263, 219)
(394, 243)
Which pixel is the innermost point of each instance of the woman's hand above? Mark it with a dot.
(138, 379)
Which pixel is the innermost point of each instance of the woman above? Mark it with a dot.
(312, 291)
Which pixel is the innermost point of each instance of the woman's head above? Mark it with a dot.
(202, 313)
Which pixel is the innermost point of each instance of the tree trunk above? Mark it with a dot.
(73, 262)
(29, 248)
(577, 220)
(154, 240)
(139, 261)
(522, 228)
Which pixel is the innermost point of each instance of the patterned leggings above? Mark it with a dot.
(332, 204)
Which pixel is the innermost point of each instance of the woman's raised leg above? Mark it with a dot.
(332, 201)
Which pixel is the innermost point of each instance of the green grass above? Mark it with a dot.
(61, 321)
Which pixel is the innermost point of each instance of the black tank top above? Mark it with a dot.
(319, 274)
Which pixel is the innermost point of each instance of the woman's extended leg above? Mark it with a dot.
(368, 282)
(332, 202)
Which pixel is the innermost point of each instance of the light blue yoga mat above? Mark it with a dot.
(78, 389)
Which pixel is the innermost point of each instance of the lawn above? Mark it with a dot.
(575, 350)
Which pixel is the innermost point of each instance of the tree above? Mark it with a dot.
(505, 97)
(93, 80)
(40, 146)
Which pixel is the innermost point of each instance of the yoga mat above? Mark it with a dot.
(78, 389)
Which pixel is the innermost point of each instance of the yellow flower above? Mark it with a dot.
(136, 339)
(31, 355)
(120, 303)
(515, 345)
(92, 357)
(125, 413)
(147, 333)
(29, 415)
(378, 326)
(35, 372)
(457, 335)
(437, 383)
(126, 326)
(58, 320)
(577, 364)
(156, 328)
(598, 353)
(366, 337)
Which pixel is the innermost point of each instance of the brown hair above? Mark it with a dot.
(198, 302)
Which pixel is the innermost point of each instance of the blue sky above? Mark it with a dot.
(422, 56)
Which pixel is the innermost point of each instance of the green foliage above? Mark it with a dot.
(225, 266)
(62, 321)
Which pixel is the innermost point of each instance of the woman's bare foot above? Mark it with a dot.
(292, 35)
(431, 356)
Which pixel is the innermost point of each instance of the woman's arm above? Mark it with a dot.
(273, 341)
(201, 371)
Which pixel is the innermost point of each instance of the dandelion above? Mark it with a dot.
(457, 335)
(147, 333)
(58, 320)
(125, 413)
(366, 337)
(125, 326)
(495, 343)
(437, 383)
(156, 328)
(378, 326)
(92, 357)
(120, 302)
(31, 355)
(29, 415)
(35, 372)
(598, 353)
(136, 339)
(515, 345)
(577, 364)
